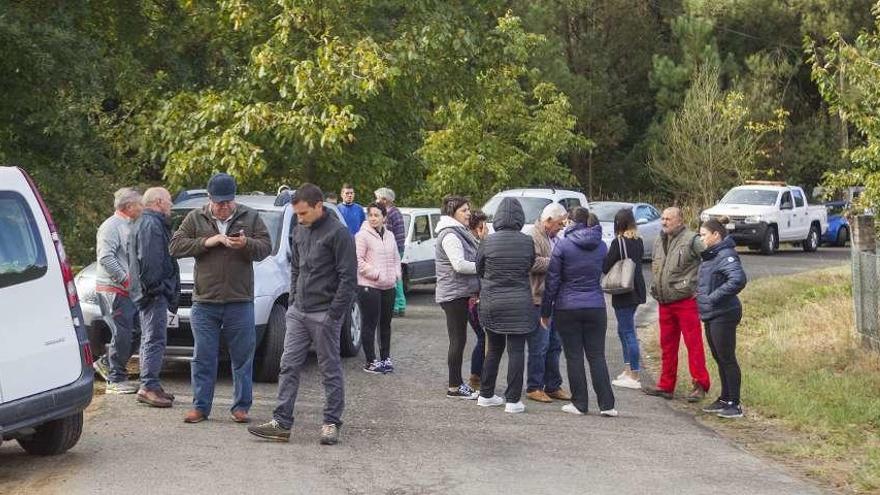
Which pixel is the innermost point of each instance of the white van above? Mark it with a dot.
(45, 360)
(418, 252)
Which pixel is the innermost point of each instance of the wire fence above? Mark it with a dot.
(866, 282)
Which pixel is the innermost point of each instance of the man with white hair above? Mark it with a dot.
(544, 380)
(394, 223)
(112, 283)
(155, 289)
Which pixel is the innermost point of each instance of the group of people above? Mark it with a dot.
(542, 291)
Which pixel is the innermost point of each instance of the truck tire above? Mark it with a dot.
(269, 364)
(350, 335)
(842, 237)
(768, 245)
(54, 437)
(811, 243)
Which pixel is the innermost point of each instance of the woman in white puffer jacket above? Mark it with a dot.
(378, 272)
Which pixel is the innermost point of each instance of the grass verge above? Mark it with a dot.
(810, 391)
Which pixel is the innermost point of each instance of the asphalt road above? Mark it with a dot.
(403, 436)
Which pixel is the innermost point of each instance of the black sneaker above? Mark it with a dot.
(375, 368)
(329, 434)
(732, 411)
(715, 407)
(102, 367)
(271, 431)
(462, 392)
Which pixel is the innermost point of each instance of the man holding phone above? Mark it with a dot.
(226, 239)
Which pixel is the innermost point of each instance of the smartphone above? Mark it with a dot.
(234, 234)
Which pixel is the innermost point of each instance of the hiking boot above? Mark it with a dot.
(715, 407)
(122, 388)
(194, 416)
(462, 392)
(240, 416)
(152, 398)
(388, 365)
(697, 394)
(514, 407)
(539, 396)
(167, 395)
(572, 409)
(559, 394)
(374, 368)
(102, 367)
(329, 434)
(492, 401)
(270, 431)
(732, 411)
(474, 382)
(657, 392)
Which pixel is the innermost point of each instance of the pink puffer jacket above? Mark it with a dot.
(378, 259)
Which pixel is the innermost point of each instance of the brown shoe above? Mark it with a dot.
(474, 382)
(240, 416)
(560, 394)
(167, 395)
(697, 394)
(538, 396)
(152, 398)
(194, 416)
(657, 392)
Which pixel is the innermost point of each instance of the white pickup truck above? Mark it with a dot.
(765, 214)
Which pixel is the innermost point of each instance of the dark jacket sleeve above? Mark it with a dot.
(184, 243)
(294, 263)
(151, 257)
(554, 279)
(346, 269)
(481, 260)
(735, 278)
(613, 255)
(259, 244)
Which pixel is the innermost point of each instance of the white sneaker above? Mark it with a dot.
(627, 382)
(515, 407)
(571, 409)
(622, 375)
(611, 413)
(493, 401)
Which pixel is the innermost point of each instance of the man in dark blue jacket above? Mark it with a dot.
(352, 212)
(155, 285)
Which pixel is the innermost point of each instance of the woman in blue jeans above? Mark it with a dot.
(627, 244)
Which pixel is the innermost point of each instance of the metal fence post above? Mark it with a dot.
(865, 280)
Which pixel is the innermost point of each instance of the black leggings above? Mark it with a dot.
(456, 326)
(377, 308)
(583, 333)
(721, 336)
(516, 363)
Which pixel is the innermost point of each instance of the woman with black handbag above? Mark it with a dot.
(627, 245)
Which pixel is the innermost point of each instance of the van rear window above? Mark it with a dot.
(22, 257)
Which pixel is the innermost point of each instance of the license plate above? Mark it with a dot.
(173, 320)
(730, 226)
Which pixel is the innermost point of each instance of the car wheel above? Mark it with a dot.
(811, 243)
(54, 437)
(842, 237)
(350, 336)
(269, 364)
(768, 246)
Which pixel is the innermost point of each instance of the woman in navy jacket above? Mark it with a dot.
(721, 278)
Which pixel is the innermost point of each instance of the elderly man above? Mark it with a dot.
(113, 280)
(394, 223)
(155, 288)
(323, 284)
(544, 380)
(226, 239)
(352, 212)
(676, 262)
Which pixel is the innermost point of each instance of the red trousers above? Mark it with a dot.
(681, 319)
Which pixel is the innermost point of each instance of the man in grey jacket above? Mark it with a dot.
(323, 281)
(112, 283)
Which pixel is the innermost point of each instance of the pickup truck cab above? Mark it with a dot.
(764, 215)
(533, 201)
(418, 253)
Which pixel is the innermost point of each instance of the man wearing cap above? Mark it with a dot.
(225, 239)
(394, 223)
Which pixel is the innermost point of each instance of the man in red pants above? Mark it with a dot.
(675, 264)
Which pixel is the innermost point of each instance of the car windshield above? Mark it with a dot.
(605, 211)
(272, 219)
(761, 197)
(532, 207)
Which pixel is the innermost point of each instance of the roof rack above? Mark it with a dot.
(765, 183)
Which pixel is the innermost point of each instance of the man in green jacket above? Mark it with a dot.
(675, 265)
(226, 239)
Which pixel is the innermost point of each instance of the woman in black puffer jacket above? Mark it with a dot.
(721, 278)
(506, 311)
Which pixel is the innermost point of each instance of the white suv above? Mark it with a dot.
(45, 362)
(533, 201)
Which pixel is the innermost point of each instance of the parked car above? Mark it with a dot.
(533, 201)
(647, 220)
(271, 289)
(46, 375)
(418, 253)
(764, 214)
(837, 232)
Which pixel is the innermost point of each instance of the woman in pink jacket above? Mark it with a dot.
(378, 272)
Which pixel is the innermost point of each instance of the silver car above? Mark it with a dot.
(271, 289)
(647, 221)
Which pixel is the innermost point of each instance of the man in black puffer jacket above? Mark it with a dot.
(504, 261)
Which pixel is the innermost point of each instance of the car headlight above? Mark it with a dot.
(704, 217)
(754, 219)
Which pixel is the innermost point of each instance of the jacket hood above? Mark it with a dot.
(447, 222)
(726, 243)
(584, 237)
(510, 215)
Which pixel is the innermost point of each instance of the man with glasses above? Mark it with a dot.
(226, 239)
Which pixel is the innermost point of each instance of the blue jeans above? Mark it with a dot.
(626, 330)
(154, 332)
(119, 313)
(235, 323)
(544, 350)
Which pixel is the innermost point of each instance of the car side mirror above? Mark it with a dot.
(641, 221)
